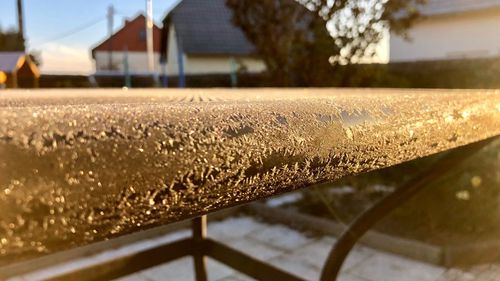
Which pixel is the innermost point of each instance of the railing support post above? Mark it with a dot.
(199, 226)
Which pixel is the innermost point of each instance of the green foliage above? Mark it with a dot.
(299, 41)
(451, 74)
(284, 34)
(10, 41)
(464, 203)
(462, 206)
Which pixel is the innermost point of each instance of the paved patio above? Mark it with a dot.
(304, 256)
(283, 247)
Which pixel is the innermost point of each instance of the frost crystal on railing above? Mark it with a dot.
(82, 166)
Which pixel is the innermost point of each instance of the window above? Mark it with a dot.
(142, 35)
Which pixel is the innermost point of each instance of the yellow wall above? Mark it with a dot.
(207, 64)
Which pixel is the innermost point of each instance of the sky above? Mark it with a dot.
(64, 31)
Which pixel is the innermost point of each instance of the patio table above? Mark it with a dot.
(84, 166)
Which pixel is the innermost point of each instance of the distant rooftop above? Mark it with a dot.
(440, 7)
(131, 37)
(205, 28)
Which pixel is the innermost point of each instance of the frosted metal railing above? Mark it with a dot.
(83, 166)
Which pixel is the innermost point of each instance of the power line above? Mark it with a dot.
(72, 31)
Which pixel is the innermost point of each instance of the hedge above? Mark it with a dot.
(473, 74)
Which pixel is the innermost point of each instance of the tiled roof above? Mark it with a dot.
(205, 27)
(8, 60)
(129, 37)
(440, 7)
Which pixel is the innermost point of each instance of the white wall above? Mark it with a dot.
(137, 61)
(172, 64)
(207, 64)
(467, 35)
(221, 65)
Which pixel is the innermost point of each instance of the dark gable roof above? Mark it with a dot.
(9, 60)
(441, 7)
(205, 28)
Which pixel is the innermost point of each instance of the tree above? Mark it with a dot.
(10, 41)
(300, 40)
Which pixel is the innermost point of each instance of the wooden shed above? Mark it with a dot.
(19, 70)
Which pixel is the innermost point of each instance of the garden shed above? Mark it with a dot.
(19, 70)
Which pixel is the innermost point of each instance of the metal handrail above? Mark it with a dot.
(77, 167)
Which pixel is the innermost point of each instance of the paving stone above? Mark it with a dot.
(388, 267)
(284, 199)
(255, 248)
(178, 270)
(142, 245)
(293, 252)
(457, 275)
(233, 228)
(296, 267)
(350, 277)
(133, 277)
(237, 277)
(486, 272)
(315, 254)
(281, 237)
(183, 270)
(217, 270)
(357, 255)
(101, 257)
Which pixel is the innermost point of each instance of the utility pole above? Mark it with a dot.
(111, 15)
(126, 72)
(149, 35)
(20, 23)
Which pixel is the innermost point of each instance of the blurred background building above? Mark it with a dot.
(196, 43)
(201, 35)
(128, 44)
(18, 70)
(460, 29)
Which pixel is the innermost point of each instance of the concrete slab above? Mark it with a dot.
(455, 274)
(315, 254)
(182, 270)
(217, 270)
(284, 199)
(133, 277)
(255, 248)
(233, 228)
(303, 256)
(350, 277)
(237, 277)
(281, 237)
(179, 270)
(388, 267)
(296, 267)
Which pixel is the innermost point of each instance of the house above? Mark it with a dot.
(451, 29)
(127, 44)
(18, 70)
(200, 39)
